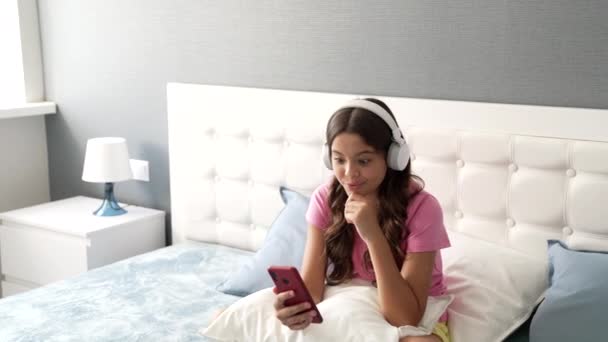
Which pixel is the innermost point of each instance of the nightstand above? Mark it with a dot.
(52, 241)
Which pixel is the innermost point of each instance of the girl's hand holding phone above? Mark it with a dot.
(296, 317)
(293, 303)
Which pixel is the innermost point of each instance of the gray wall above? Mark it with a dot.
(107, 62)
(24, 168)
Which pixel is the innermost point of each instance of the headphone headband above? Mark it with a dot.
(381, 112)
(398, 153)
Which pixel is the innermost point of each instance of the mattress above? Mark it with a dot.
(164, 295)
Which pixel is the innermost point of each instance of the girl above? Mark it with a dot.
(373, 221)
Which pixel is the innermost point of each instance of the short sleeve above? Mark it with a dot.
(427, 232)
(318, 213)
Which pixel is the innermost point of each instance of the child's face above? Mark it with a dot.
(358, 167)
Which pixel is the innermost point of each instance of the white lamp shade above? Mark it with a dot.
(106, 161)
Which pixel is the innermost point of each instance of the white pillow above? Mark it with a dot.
(350, 313)
(495, 288)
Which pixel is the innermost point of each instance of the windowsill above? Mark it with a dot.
(28, 109)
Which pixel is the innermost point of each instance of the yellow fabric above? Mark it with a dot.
(441, 330)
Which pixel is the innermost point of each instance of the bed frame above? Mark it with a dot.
(513, 175)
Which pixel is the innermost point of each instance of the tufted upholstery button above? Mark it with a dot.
(460, 163)
(510, 223)
(571, 172)
(218, 220)
(458, 214)
(567, 231)
(513, 167)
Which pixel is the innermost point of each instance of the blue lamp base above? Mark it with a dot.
(109, 206)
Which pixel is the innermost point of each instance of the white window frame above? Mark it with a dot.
(31, 58)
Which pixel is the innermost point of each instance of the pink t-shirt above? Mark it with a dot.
(426, 233)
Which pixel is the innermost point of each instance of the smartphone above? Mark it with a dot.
(287, 278)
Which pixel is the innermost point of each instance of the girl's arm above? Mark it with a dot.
(402, 294)
(314, 263)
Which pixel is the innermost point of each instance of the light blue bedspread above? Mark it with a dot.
(165, 295)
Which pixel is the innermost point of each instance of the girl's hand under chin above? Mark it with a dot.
(362, 211)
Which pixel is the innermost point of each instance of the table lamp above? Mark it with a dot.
(107, 161)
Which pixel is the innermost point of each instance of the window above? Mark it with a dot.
(21, 84)
(12, 88)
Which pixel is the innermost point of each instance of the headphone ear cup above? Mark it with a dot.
(326, 158)
(398, 156)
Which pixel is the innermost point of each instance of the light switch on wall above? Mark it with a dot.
(140, 170)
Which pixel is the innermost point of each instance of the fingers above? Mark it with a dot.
(356, 202)
(289, 312)
(300, 326)
(354, 196)
(347, 212)
(357, 197)
(297, 316)
(280, 299)
(302, 321)
(350, 203)
(350, 209)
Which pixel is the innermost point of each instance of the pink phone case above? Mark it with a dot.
(288, 278)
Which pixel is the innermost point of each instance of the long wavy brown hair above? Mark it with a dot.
(394, 194)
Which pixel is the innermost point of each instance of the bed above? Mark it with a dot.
(507, 182)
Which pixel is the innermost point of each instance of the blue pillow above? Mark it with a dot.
(284, 245)
(575, 304)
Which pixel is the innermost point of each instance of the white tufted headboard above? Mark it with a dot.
(496, 178)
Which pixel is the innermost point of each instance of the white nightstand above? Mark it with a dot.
(56, 240)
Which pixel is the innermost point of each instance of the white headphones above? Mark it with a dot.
(398, 153)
